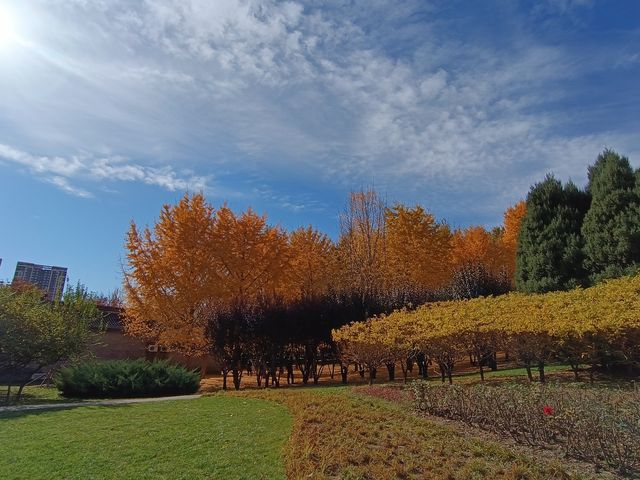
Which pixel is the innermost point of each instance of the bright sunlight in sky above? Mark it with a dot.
(110, 109)
(7, 29)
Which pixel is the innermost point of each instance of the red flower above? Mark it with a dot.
(547, 410)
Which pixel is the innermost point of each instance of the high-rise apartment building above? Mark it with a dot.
(48, 278)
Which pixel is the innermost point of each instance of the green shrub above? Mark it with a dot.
(601, 426)
(126, 378)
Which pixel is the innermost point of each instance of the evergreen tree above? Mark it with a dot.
(549, 255)
(611, 228)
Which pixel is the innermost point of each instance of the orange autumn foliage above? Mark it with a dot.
(418, 248)
(312, 263)
(512, 220)
(250, 255)
(196, 261)
(475, 245)
(169, 282)
(495, 250)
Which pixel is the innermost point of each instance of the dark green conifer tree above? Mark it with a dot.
(549, 255)
(611, 227)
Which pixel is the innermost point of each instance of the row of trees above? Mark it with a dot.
(597, 326)
(207, 280)
(211, 281)
(573, 237)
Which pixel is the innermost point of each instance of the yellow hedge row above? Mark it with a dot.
(581, 323)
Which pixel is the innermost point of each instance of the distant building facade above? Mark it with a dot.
(48, 278)
(113, 344)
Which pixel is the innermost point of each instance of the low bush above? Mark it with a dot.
(601, 426)
(126, 378)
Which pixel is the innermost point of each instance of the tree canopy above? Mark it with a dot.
(550, 248)
(611, 228)
(36, 333)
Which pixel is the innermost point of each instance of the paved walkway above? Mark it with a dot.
(93, 403)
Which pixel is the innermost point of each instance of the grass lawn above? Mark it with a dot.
(516, 373)
(214, 437)
(339, 434)
(311, 433)
(35, 395)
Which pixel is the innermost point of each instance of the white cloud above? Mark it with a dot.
(291, 88)
(63, 184)
(61, 171)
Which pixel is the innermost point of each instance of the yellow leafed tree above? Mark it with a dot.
(418, 248)
(312, 262)
(169, 279)
(251, 257)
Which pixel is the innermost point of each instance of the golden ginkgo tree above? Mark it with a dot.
(169, 279)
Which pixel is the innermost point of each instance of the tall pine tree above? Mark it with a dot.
(611, 228)
(549, 255)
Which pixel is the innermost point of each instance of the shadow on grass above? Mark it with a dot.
(18, 414)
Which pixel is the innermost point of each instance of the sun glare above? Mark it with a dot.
(7, 33)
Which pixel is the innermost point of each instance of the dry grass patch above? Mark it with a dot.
(339, 434)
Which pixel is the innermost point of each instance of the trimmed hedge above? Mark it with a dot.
(126, 378)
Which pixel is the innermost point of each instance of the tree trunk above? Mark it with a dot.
(344, 372)
(574, 369)
(19, 394)
(372, 375)
(493, 362)
(541, 371)
(290, 378)
(410, 364)
(391, 368)
(481, 372)
(529, 374)
(225, 372)
(237, 376)
(316, 373)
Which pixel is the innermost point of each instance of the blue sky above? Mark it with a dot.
(110, 108)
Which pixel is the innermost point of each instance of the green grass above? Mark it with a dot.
(214, 437)
(522, 372)
(35, 395)
(502, 373)
(311, 433)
